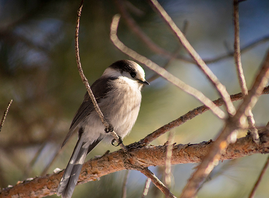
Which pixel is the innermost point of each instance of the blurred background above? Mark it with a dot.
(38, 71)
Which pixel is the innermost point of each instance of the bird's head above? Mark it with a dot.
(127, 68)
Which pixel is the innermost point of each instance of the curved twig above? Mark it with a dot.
(161, 71)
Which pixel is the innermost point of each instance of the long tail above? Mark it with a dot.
(72, 171)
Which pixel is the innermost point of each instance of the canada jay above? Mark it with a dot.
(118, 94)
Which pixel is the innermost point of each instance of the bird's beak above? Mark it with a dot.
(144, 82)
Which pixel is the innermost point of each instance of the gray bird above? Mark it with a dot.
(118, 94)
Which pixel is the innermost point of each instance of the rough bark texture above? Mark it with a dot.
(136, 158)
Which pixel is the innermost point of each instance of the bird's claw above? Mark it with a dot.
(109, 129)
(119, 141)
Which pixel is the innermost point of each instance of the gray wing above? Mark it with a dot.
(100, 88)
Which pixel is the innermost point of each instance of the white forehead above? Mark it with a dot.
(139, 69)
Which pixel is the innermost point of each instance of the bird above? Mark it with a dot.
(118, 94)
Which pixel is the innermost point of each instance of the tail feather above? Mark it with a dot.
(72, 171)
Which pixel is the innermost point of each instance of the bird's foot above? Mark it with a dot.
(118, 141)
(109, 129)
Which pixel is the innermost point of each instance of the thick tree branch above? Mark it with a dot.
(143, 157)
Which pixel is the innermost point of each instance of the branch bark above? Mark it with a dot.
(138, 157)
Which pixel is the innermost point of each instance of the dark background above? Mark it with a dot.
(38, 71)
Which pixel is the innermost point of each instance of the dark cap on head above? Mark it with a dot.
(124, 65)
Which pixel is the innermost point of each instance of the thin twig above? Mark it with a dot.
(157, 49)
(199, 62)
(33, 161)
(146, 188)
(124, 186)
(161, 71)
(169, 150)
(237, 54)
(228, 133)
(257, 88)
(56, 154)
(157, 182)
(214, 174)
(244, 49)
(5, 114)
(240, 72)
(81, 73)
(188, 116)
(138, 31)
(174, 55)
(41, 148)
(108, 126)
(251, 195)
(147, 40)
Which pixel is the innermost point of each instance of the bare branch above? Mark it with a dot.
(124, 186)
(108, 126)
(167, 170)
(174, 55)
(237, 54)
(200, 63)
(33, 161)
(251, 195)
(243, 50)
(257, 88)
(137, 30)
(56, 154)
(157, 49)
(228, 133)
(239, 69)
(81, 73)
(157, 182)
(5, 114)
(166, 75)
(146, 188)
(140, 157)
(188, 116)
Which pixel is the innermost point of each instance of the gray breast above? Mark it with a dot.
(124, 104)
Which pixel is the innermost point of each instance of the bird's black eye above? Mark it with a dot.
(133, 74)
